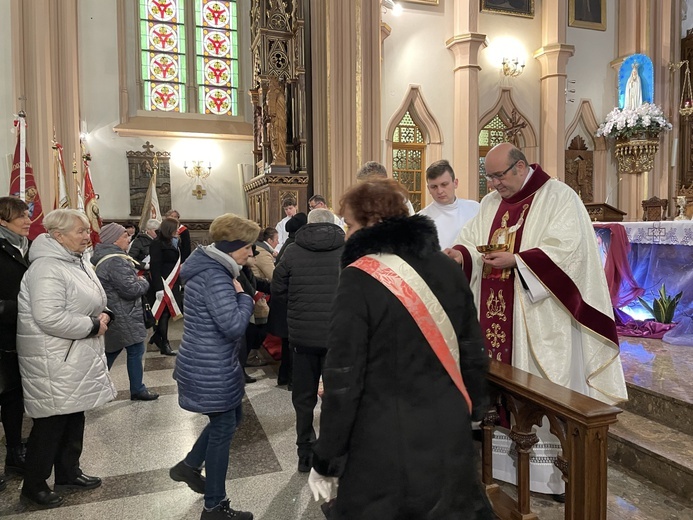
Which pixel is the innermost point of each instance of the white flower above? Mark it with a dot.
(630, 122)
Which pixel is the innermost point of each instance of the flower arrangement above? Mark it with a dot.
(628, 123)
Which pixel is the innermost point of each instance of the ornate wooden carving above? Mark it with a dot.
(685, 173)
(579, 169)
(266, 193)
(581, 425)
(688, 193)
(654, 209)
(140, 168)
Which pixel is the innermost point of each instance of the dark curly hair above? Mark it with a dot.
(375, 200)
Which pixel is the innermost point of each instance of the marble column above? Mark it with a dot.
(465, 45)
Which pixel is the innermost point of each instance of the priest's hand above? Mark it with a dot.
(500, 260)
(454, 254)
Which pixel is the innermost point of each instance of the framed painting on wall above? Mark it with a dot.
(512, 7)
(587, 14)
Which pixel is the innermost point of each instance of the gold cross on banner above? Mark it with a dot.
(199, 192)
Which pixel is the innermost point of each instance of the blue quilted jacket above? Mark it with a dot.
(209, 376)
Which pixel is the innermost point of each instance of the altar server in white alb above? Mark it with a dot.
(447, 211)
(543, 304)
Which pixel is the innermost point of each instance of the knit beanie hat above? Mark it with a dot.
(111, 232)
(296, 222)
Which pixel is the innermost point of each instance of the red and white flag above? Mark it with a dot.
(91, 200)
(62, 196)
(22, 183)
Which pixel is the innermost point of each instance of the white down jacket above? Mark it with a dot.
(62, 363)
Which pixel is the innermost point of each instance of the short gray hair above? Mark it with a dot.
(371, 169)
(320, 215)
(152, 223)
(63, 220)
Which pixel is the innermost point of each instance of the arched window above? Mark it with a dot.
(409, 158)
(189, 56)
(491, 135)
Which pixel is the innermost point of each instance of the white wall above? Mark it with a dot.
(99, 110)
(415, 53)
(508, 35)
(7, 101)
(589, 67)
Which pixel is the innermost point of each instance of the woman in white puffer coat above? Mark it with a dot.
(61, 323)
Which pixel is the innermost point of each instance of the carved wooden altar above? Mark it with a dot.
(280, 103)
(140, 169)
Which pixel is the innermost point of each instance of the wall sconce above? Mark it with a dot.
(197, 170)
(512, 67)
(396, 8)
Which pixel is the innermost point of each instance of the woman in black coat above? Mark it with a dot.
(163, 258)
(14, 261)
(394, 428)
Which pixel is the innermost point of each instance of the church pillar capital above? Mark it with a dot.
(554, 59)
(465, 49)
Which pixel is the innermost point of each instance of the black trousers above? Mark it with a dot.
(12, 413)
(307, 368)
(284, 374)
(54, 441)
(161, 327)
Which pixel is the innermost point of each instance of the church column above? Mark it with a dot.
(666, 48)
(553, 57)
(45, 72)
(353, 89)
(632, 38)
(465, 45)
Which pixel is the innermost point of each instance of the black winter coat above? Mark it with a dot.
(305, 282)
(12, 266)
(163, 258)
(139, 249)
(389, 408)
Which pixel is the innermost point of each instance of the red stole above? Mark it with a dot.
(497, 295)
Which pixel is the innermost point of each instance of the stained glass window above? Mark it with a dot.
(491, 135)
(408, 158)
(209, 65)
(162, 33)
(216, 56)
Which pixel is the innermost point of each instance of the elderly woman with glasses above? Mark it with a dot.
(62, 320)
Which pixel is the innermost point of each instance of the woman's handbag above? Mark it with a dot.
(149, 319)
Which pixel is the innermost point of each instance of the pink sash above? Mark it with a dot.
(413, 292)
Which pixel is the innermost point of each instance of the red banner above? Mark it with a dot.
(31, 194)
(91, 204)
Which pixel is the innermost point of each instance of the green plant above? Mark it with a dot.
(663, 308)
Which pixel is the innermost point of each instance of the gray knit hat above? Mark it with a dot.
(111, 232)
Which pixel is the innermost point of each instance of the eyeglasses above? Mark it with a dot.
(499, 176)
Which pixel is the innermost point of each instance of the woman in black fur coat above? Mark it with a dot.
(395, 429)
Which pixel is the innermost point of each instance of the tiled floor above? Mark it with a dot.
(133, 444)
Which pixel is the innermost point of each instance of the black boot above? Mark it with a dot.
(14, 461)
(165, 349)
(3, 485)
(248, 378)
(155, 339)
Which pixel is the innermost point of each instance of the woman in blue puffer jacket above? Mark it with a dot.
(209, 375)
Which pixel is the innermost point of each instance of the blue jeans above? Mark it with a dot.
(212, 449)
(134, 364)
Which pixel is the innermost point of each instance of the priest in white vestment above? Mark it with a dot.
(558, 324)
(447, 211)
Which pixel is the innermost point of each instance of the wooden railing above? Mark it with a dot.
(580, 423)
